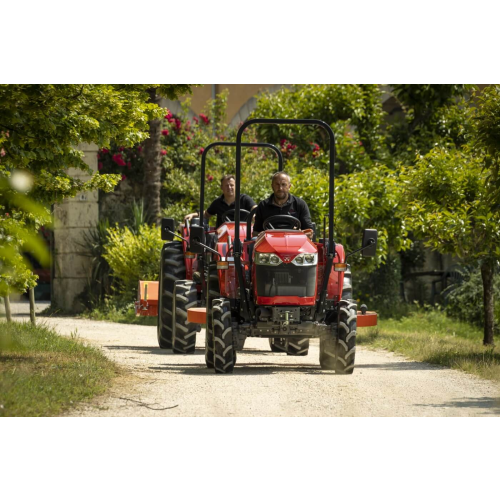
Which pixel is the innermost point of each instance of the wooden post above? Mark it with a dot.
(31, 293)
(6, 303)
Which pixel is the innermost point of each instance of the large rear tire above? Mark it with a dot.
(225, 352)
(345, 349)
(172, 269)
(297, 347)
(213, 292)
(277, 345)
(183, 332)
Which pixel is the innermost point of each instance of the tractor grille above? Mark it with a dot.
(286, 280)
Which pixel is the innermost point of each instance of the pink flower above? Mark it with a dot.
(123, 177)
(282, 142)
(121, 148)
(2, 152)
(117, 158)
(360, 143)
(7, 215)
(104, 150)
(99, 166)
(178, 124)
(168, 116)
(165, 132)
(205, 118)
(196, 119)
(129, 164)
(139, 148)
(163, 152)
(210, 178)
(188, 137)
(201, 150)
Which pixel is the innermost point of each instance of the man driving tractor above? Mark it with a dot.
(281, 202)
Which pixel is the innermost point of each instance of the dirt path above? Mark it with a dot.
(267, 384)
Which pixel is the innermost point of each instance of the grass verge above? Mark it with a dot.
(433, 337)
(43, 374)
(120, 315)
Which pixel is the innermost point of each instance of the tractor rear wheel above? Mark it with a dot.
(277, 345)
(225, 352)
(183, 332)
(297, 347)
(345, 348)
(212, 292)
(172, 269)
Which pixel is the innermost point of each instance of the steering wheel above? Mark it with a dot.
(226, 215)
(286, 220)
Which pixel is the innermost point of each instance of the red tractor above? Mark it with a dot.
(184, 275)
(281, 286)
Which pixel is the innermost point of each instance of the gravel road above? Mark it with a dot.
(159, 383)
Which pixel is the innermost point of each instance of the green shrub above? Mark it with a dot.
(465, 300)
(133, 257)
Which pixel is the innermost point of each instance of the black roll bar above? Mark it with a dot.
(230, 144)
(237, 244)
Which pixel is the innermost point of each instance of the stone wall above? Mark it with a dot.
(71, 263)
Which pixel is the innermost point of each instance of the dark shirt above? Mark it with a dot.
(219, 206)
(296, 207)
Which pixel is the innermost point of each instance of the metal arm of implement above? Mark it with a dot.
(237, 243)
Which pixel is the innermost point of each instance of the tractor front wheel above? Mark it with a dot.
(345, 348)
(224, 351)
(277, 345)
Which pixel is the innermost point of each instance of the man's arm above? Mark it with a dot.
(257, 227)
(305, 220)
(195, 214)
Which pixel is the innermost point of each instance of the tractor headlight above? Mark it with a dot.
(306, 259)
(267, 259)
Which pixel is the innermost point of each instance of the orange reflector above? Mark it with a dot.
(197, 315)
(340, 267)
(368, 319)
(222, 264)
(190, 255)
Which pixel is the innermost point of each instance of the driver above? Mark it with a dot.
(281, 202)
(226, 201)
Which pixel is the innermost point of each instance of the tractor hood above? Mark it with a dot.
(286, 244)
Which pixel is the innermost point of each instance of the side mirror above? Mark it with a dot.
(196, 236)
(167, 225)
(369, 243)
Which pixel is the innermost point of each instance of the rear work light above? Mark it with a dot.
(340, 267)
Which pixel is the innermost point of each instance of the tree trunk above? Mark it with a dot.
(31, 293)
(152, 167)
(6, 303)
(487, 271)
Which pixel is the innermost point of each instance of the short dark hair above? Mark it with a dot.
(227, 177)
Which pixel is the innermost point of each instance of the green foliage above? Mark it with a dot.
(184, 140)
(353, 111)
(432, 115)
(133, 257)
(447, 203)
(464, 300)
(41, 127)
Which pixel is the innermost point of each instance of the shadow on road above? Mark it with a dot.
(200, 369)
(198, 350)
(401, 366)
(490, 404)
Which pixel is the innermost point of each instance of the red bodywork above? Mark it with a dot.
(285, 244)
